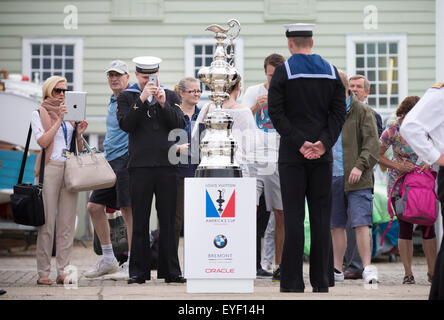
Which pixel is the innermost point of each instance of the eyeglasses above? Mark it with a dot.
(193, 91)
(58, 90)
(114, 75)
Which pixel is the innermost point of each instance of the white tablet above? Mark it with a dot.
(75, 102)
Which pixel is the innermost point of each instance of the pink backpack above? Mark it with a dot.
(416, 200)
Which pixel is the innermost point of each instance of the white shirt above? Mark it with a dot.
(267, 138)
(59, 139)
(426, 119)
(242, 130)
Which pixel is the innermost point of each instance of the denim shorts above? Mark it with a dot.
(118, 196)
(354, 205)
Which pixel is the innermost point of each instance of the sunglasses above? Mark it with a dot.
(193, 91)
(58, 90)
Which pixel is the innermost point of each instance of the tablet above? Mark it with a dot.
(75, 102)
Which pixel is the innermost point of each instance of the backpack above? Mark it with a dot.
(416, 200)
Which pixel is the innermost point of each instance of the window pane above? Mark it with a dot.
(69, 64)
(371, 102)
(198, 62)
(35, 75)
(68, 76)
(394, 101)
(393, 47)
(197, 49)
(382, 62)
(58, 50)
(47, 49)
(371, 75)
(208, 49)
(35, 49)
(57, 63)
(46, 75)
(47, 63)
(35, 63)
(58, 73)
(395, 88)
(69, 50)
(208, 61)
(359, 48)
(361, 71)
(359, 62)
(371, 48)
(382, 47)
(382, 102)
(371, 62)
(382, 89)
(395, 61)
(395, 75)
(382, 75)
(372, 88)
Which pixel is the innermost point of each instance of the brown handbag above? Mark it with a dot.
(88, 171)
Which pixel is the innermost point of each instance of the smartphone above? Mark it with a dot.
(75, 102)
(153, 78)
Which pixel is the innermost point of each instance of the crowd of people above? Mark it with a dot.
(315, 141)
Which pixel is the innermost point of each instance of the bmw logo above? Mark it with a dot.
(220, 241)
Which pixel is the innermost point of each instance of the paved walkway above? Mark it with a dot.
(18, 277)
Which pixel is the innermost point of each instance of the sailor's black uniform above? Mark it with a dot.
(306, 102)
(149, 125)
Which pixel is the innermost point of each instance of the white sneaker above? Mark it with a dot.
(339, 277)
(103, 267)
(370, 274)
(121, 274)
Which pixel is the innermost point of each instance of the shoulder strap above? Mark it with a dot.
(25, 156)
(389, 207)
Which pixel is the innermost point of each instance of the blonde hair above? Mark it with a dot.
(182, 85)
(50, 84)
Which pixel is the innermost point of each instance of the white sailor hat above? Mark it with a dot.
(299, 30)
(118, 66)
(147, 64)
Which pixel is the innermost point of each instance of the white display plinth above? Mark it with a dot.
(220, 235)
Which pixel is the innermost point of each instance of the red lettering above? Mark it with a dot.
(219, 270)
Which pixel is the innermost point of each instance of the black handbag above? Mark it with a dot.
(27, 199)
(119, 239)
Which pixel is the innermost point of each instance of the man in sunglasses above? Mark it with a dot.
(117, 197)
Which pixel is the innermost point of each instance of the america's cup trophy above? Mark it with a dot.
(218, 145)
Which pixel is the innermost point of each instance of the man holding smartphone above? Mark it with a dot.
(148, 113)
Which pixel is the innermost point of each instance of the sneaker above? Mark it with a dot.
(370, 274)
(267, 266)
(339, 276)
(262, 274)
(103, 267)
(277, 275)
(121, 274)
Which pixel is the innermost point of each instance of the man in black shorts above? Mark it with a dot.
(117, 197)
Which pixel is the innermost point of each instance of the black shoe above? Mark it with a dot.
(323, 290)
(175, 279)
(2, 292)
(277, 275)
(135, 279)
(298, 290)
(262, 274)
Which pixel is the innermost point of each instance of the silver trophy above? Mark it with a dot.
(218, 145)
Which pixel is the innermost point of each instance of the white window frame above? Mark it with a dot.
(190, 42)
(78, 56)
(401, 39)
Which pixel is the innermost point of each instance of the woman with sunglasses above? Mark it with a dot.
(55, 135)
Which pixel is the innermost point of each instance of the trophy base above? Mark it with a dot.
(218, 173)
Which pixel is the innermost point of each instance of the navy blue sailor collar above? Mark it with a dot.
(309, 66)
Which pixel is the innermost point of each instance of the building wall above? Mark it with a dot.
(160, 29)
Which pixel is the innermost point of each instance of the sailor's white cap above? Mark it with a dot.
(147, 64)
(299, 30)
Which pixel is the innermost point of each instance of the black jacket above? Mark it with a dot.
(305, 109)
(148, 135)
